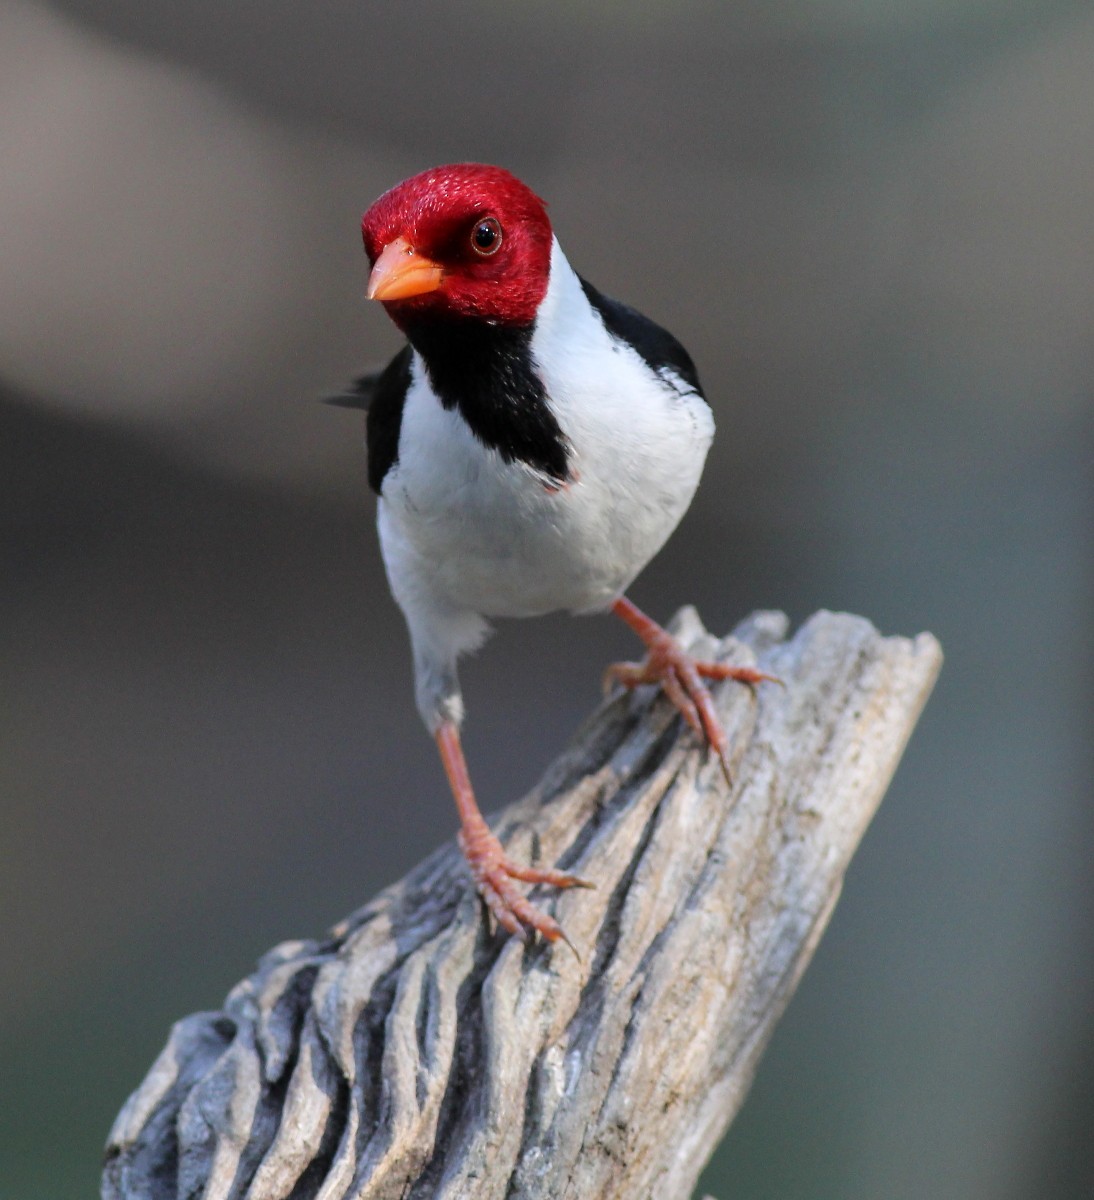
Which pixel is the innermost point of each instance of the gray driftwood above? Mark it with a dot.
(416, 1053)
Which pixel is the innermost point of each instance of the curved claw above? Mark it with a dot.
(626, 674)
(494, 873)
(681, 678)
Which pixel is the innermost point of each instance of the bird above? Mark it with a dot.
(532, 446)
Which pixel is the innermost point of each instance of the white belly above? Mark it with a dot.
(491, 538)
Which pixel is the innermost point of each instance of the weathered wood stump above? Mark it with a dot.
(417, 1053)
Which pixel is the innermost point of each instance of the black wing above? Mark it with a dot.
(384, 417)
(358, 394)
(382, 395)
(659, 350)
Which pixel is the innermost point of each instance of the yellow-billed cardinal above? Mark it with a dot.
(533, 446)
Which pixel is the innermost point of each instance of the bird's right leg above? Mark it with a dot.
(493, 871)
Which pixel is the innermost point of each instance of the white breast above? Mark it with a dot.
(491, 538)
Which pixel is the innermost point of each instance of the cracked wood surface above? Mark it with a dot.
(415, 1053)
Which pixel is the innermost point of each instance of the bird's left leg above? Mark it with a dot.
(439, 633)
(680, 676)
(491, 868)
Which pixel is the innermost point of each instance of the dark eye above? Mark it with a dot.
(486, 237)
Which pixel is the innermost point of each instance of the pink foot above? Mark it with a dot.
(681, 677)
(492, 870)
(494, 874)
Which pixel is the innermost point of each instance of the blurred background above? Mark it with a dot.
(872, 224)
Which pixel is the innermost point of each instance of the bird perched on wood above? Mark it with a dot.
(533, 446)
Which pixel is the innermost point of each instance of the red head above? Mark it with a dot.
(465, 240)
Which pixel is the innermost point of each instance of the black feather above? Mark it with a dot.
(660, 351)
(384, 416)
(487, 373)
(359, 394)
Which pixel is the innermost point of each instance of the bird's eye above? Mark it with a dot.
(486, 237)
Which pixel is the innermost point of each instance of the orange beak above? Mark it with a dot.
(400, 272)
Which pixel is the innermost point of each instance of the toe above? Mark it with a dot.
(492, 893)
(547, 875)
(717, 670)
(520, 911)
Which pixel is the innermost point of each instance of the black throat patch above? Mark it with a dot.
(487, 372)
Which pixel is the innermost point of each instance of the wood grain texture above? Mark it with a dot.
(415, 1053)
